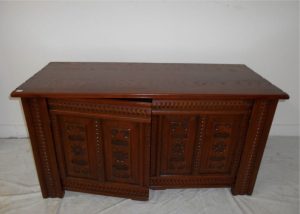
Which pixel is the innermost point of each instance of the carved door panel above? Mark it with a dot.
(121, 143)
(75, 142)
(103, 146)
(221, 144)
(178, 137)
(197, 143)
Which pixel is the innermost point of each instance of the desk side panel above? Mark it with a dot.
(258, 131)
(38, 123)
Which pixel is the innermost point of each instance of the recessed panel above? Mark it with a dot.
(221, 143)
(177, 144)
(121, 151)
(77, 142)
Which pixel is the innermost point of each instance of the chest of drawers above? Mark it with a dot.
(121, 128)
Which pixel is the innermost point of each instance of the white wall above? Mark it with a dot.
(263, 35)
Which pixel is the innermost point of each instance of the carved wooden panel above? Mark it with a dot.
(37, 118)
(200, 106)
(255, 142)
(76, 140)
(196, 141)
(110, 109)
(221, 143)
(97, 148)
(121, 145)
(177, 144)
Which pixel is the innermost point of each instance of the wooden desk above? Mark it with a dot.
(121, 128)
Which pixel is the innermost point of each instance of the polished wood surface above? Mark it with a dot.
(103, 144)
(147, 80)
(121, 128)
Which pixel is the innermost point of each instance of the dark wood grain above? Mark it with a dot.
(121, 128)
(197, 138)
(101, 144)
(259, 127)
(37, 119)
(147, 80)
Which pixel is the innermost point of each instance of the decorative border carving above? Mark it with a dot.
(196, 159)
(48, 175)
(131, 192)
(178, 181)
(99, 146)
(202, 105)
(104, 108)
(254, 146)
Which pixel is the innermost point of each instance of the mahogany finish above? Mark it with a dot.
(121, 128)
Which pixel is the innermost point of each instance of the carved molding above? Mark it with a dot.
(189, 181)
(43, 149)
(202, 105)
(134, 192)
(247, 168)
(99, 146)
(89, 107)
(250, 165)
(198, 145)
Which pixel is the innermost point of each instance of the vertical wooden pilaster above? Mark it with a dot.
(258, 131)
(38, 123)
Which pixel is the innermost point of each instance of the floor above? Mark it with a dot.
(276, 190)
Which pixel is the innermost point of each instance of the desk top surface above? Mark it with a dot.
(147, 80)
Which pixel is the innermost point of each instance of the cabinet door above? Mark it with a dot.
(197, 143)
(76, 145)
(103, 145)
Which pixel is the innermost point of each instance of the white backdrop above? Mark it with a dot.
(262, 35)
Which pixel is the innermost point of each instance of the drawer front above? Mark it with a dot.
(197, 143)
(103, 146)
